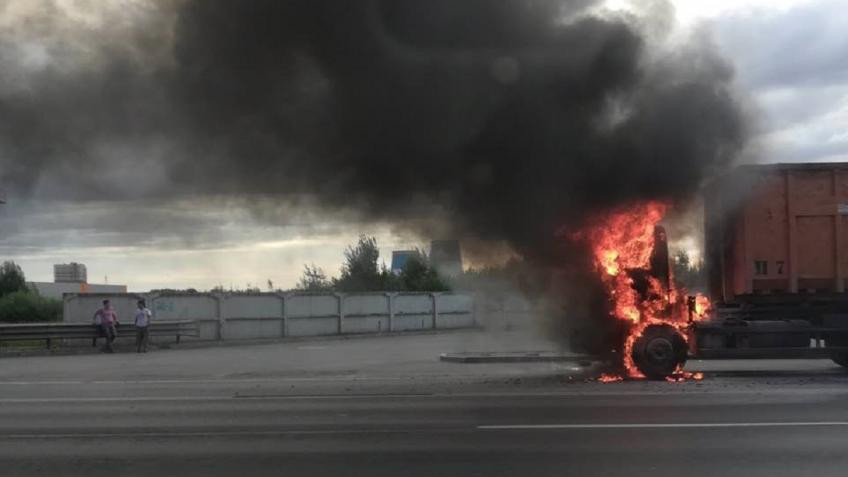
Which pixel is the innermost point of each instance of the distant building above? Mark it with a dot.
(446, 257)
(72, 278)
(70, 273)
(57, 290)
(399, 259)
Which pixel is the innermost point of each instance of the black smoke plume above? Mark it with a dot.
(501, 119)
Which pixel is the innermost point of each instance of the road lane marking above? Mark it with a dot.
(282, 432)
(674, 425)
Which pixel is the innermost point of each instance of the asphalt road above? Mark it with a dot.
(129, 414)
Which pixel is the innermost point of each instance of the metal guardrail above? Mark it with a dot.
(60, 331)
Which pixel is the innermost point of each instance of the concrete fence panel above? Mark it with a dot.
(209, 330)
(505, 311)
(365, 313)
(267, 305)
(185, 307)
(252, 316)
(312, 315)
(270, 315)
(413, 312)
(205, 309)
(455, 311)
(305, 306)
(80, 308)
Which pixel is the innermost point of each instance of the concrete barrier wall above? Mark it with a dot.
(506, 311)
(413, 312)
(318, 326)
(272, 315)
(80, 308)
(208, 330)
(184, 307)
(452, 311)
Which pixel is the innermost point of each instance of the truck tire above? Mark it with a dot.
(659, 352)
(838, 339)
(840, 359)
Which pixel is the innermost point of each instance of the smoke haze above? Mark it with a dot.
(496, 119)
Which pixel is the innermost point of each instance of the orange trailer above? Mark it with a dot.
(777, 259)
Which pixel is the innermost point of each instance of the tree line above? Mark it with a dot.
(20, 303)
(361, 272)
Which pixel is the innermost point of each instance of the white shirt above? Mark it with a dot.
(142, 317)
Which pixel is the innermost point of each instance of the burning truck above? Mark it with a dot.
(777, 258)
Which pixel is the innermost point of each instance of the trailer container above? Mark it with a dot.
(776, 243)
(778, 229)
(776, 253)
(777, 258)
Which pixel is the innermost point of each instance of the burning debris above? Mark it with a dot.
(630, 251)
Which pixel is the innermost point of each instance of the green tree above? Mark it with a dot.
(314, 280)
(360, 271)
(419, 275)
(26, 306)
(11, 278)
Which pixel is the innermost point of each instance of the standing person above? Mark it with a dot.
(142, 323)
(107, 318)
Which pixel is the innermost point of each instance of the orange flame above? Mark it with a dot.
(610, 378)
(623, 241)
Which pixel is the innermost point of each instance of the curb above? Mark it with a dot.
(517, 357)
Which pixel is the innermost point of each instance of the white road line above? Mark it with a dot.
(271, 433)
(675, 425)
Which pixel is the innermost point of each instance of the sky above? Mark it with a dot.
(790, 59)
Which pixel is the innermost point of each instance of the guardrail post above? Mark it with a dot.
(340, 298)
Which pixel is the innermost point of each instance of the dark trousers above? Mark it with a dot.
(110, 333)
(142, 334)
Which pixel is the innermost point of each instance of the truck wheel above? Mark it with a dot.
(838, 339)
(659, 352)
(840, 359)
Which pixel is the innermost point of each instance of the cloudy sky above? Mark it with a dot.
(790, 59)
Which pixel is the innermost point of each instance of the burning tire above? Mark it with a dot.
(659, 352)
(838, 339)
